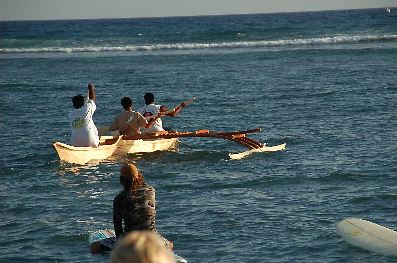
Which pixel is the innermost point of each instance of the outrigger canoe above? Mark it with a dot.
(160, 141)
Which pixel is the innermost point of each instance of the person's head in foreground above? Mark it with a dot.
(141, 247)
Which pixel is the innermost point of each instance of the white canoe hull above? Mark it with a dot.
(84, 155)
(146, 146)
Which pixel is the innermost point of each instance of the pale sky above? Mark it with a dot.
(87, 9)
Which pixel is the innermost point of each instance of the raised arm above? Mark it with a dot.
(174, 112)
(91, 92)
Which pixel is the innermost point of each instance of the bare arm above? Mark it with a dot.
(153, 120)
(91, 92)
(175, 111)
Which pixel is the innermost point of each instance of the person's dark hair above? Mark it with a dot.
(78, 101)
(126, 102)
(149, 98)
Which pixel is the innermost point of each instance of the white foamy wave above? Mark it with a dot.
(187, 46)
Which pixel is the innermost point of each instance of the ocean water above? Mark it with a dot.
(322, 82)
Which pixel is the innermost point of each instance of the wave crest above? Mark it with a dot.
(187, 46)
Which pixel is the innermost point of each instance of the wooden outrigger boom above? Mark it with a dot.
(235, 136)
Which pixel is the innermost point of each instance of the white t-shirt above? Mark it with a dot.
(84, 131)
(150, 110)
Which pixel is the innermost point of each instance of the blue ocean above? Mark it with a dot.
(324, 83)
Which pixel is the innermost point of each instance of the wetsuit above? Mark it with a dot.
(138, 211)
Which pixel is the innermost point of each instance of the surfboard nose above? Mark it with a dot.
(368, 235)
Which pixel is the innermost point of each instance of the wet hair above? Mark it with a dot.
(126, 102)
(78, 101)
(149, 98)
(131, 178)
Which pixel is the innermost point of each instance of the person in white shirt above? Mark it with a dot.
(84, 131)
(152, 109)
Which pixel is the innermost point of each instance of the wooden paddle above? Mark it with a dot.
(165, 113)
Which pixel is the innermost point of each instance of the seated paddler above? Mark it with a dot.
(152, 109)
(129, 122)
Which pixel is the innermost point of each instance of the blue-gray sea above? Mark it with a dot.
(322, 82)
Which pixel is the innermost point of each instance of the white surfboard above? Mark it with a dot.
(368, 235)
(264, 148)
(105, 240)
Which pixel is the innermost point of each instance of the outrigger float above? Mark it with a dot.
(115, 146)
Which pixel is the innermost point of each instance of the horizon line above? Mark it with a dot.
(200, 15)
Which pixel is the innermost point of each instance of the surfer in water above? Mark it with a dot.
(135, 205)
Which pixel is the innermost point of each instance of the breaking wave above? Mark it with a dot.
(216, 45)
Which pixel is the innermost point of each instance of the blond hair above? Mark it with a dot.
(141, 247)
